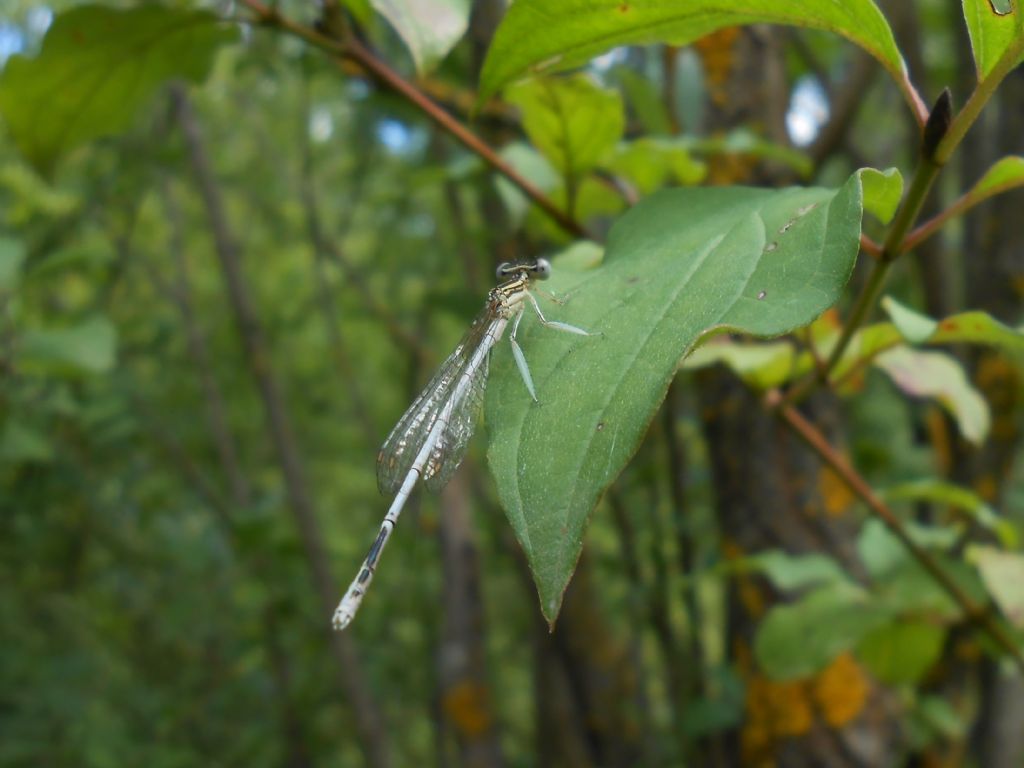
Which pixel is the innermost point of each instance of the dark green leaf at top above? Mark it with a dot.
(539, 34)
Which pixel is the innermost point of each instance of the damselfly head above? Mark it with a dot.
(539, 269)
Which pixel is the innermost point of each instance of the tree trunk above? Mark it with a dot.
(771, 492)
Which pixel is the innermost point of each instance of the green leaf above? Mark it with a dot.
(1003, 575)
(883, 191)
(792, 572)
(941, 377)
(680, 263)
(537, 34)
(912, 326)
(429, 28)
(936, 720)
(573, 121)
(761, 365)
(1006, 173)
(909, 590)
(21, 442)
(747, 143)
(96, 67)
(88, 347)
(801, 638)
(645, 101)
(721, 709)
(975, 327)
(902, 652)
(882, 553)
(647, 163)
(12, 256)
(940, 492)
(534, 167)
(992, 31)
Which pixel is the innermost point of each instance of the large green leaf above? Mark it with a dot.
(429, 28)
(680, 263)
(539, 34)
(96, 67)
(993, 29)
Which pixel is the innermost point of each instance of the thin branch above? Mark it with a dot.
(960, 206)
(321, 281)
(198, 350)
(352, 49)
(869, 246)
(924, 176)
(820, 446)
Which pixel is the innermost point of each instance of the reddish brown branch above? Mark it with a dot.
(820, 446)
(353, 50)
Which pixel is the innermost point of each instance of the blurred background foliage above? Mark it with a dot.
(162, 599)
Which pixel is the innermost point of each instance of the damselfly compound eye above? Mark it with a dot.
(503, 269)
(542, 269)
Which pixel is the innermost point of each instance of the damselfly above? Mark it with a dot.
(430, 440)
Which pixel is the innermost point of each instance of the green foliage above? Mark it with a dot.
(12, 254)
(902, 652)
(679, 264)
(96, 68)
(573, 121)
(956, 497)
(88, 346)
(791, 572)
(796, 640)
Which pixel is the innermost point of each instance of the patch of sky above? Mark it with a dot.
(398, 138)
(12, 41)
(808, 111)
